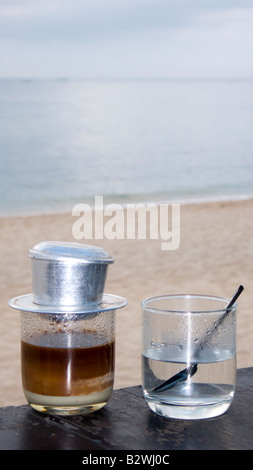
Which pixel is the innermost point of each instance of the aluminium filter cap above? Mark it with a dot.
(67, 251)
(68, 277)
(68, 274)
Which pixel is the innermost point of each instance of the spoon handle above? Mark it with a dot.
(192, 369)
(221, 319)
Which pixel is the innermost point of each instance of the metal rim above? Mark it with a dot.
(108, 302)
(154, 309)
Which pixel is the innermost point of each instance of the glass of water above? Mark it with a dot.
(188, 355)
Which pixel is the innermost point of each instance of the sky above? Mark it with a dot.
(126, 39)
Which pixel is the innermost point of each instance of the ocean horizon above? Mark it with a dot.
(63, 142)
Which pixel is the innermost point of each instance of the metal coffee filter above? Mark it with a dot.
(68, 276)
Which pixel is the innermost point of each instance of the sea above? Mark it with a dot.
(64, 142)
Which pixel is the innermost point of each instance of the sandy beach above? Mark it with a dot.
(215, 255)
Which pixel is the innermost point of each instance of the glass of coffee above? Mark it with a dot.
(67, 360)
(68, 331)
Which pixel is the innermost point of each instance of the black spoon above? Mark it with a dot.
(192, 369)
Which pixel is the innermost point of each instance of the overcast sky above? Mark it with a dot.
(126, 38)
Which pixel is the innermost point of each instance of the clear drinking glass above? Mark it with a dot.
(67, 361)
(188, 355)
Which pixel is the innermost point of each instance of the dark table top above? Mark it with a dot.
(126, 422)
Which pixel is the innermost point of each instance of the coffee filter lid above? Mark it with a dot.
(68, 278)
(64, 251)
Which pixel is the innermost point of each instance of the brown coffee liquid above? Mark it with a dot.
(66, 371)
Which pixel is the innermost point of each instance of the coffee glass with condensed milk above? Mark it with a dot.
(68, 329)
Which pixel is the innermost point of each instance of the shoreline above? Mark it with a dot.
(215, 255)
(115, 200)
